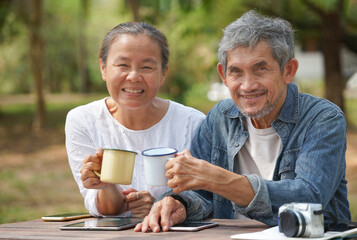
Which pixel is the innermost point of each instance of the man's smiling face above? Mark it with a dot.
(255, 81)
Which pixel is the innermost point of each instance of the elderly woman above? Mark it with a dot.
(134, 62)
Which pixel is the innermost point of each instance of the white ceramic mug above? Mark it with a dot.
(117, 166)
(154, 164)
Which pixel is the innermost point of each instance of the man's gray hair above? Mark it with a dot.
(252, 28)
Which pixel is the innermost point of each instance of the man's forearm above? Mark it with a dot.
(231, 186)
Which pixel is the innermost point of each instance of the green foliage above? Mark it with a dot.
(196, 97)
(8, 24)
(57, 75)
(193, 29)
(193, 49)
(326, 5)
(60, 27)
(15, 74)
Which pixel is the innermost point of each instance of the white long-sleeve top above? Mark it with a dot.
(91, 126)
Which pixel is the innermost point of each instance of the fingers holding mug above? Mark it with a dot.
(89, 164)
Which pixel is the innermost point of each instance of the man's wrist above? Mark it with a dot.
(180, 199)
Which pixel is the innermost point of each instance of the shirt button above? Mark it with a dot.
(236, 144)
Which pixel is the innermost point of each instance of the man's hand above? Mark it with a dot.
(188, 173)
(168, 211)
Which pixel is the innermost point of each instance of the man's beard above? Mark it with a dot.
(268, 107)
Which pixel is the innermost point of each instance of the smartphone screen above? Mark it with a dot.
(65, 217)
(193, 226)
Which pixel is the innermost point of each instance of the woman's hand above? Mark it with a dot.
(89, 179)
(139, 203)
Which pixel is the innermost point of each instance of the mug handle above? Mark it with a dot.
(96, 173)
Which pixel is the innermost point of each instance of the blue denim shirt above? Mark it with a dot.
(310, 168)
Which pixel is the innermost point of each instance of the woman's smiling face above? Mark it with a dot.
(133, 72)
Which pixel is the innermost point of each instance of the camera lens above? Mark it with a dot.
(292, 224)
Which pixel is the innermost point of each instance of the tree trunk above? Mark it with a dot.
(36, 58)
(331, 47)
(134, 5)
(331, 34)
(83, 67)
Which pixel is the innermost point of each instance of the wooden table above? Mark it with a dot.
(38, 229)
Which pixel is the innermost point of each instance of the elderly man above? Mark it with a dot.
(267, 146)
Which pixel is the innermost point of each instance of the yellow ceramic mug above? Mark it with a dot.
(117, 166)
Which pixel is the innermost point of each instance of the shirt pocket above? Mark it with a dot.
(287, 164)
(220, 157)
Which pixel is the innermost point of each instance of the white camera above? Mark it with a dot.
(301, 220)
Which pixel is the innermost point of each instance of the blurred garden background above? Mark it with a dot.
(49, 65)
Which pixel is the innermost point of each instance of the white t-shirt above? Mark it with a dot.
(91, 126)
(259, 153)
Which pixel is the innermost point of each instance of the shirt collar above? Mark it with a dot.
(290, 110)
(232, 111)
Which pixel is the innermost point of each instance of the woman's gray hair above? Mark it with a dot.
(252, 28)
(135, 28)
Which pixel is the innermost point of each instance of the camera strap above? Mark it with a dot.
(338, 225)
